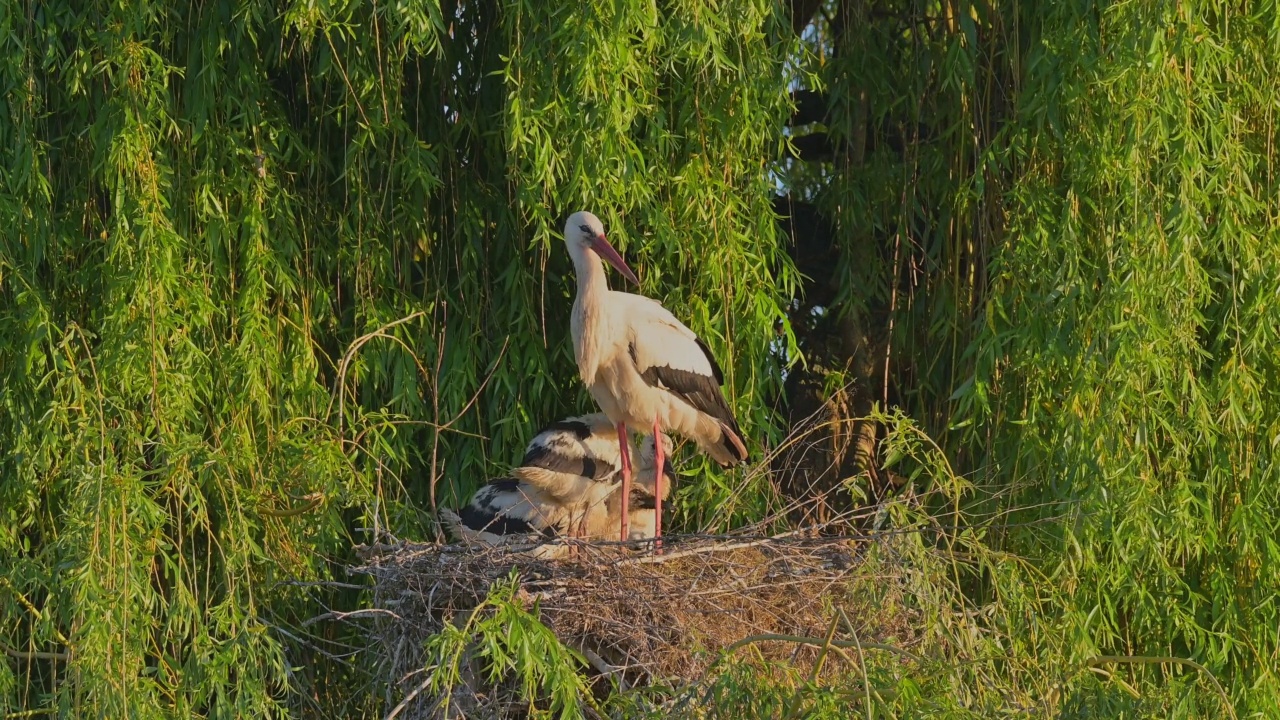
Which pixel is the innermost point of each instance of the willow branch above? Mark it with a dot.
(34, 654)
(819, 642)
(1166, 660)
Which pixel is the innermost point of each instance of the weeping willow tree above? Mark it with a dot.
(274, 275)
(270, 274)
(1053, 231)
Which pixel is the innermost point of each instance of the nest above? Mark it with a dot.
(638, 617)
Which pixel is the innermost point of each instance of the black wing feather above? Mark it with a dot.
(484, 521)
(577, 427)
(546, 457)
(504, 485)
(700, 391)
(715, 366)
(490, 518)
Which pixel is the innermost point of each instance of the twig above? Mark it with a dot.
(794, 701)
(435, 409)
(1111, 677)
(819, 642)
(409, 698)
(707, 549)
(31, 713)
(312, 502)
(371, 549)
(603, 666)
(1163, 660)
(303, 641)
(349, 355)
(34, 654)
(337, 615)
(435, 399)
(826, 647)
(337, 60)
(862, 660)
(322, 583)
(31, 608)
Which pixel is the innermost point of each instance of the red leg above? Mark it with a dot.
(624, 452)
(657, 488)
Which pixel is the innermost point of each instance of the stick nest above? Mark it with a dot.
(638, 616)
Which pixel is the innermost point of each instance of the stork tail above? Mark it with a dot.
(731, 439)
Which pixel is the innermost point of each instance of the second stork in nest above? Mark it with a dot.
(566, 486)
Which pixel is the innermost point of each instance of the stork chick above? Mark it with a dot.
(573, 460)
(508, 510)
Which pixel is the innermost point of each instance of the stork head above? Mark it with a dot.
(585, 233)
(648, 456)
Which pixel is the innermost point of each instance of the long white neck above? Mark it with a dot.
(590, 324)
(591, 279)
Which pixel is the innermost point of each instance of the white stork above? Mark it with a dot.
(644, 367)
(576, 461)
(512, 510)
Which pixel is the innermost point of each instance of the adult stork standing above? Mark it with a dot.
(644, 367)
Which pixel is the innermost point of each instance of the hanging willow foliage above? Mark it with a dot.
(212, 212)
(1056, 230)
(269, 274)
(1134, 327)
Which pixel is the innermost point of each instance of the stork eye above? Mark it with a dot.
(585, 229)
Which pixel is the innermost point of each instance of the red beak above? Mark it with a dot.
(611, 256)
